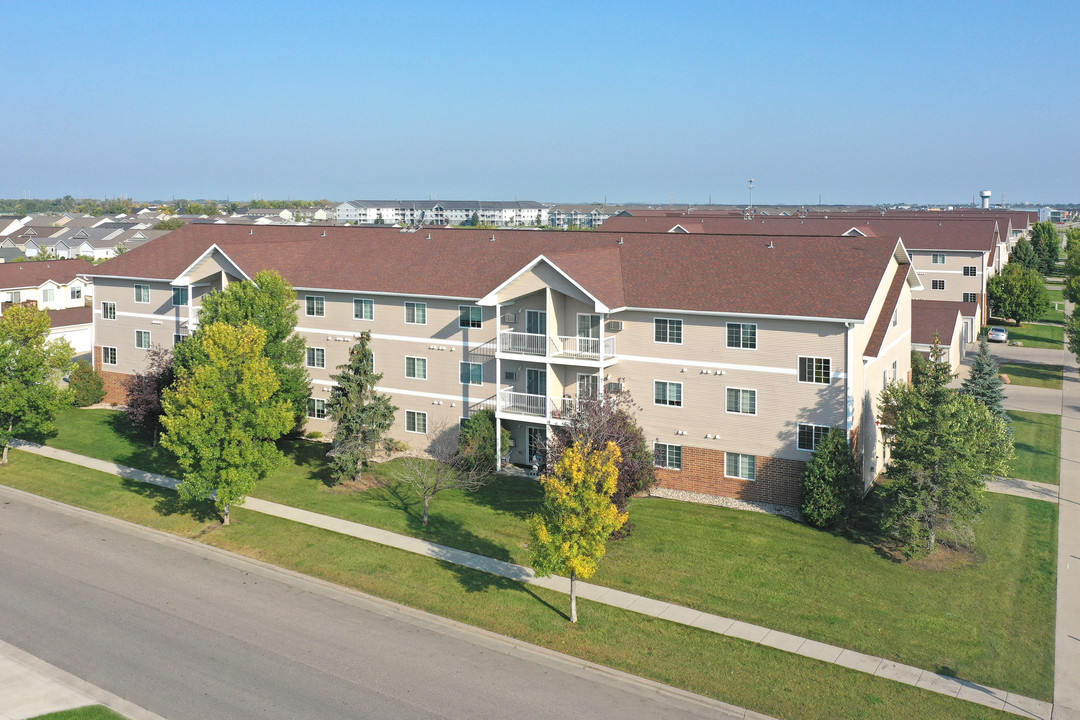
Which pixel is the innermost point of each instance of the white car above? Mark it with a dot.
(998, 334)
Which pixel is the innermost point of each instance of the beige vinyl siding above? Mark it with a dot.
(120, 333)
(952, 272)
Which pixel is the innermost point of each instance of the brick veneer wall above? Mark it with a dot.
(115, 389)
(778, 481)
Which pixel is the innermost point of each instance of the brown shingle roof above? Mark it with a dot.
(71, 316)
(32, 274)
(807, 276)
(881, 327)
(934, 317)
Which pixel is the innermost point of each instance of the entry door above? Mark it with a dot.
(535, 381)
(537, 442)
(536, 322)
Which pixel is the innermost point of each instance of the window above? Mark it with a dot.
(895, 316)
(108, 311)
(811, 435)
(815, 370)
(177, 339)
(416, 313)
(667, 331)
(470, 316)
(316, 358)
(142, 293)
(472, 373)
(76, 292)
(742, 335)
(108, 356)
(737, 465)
(894, 371)
(937, 284)
(667, 393)
(740, 400)
(316, 408)
(363, 309)
(971, 297)
(142, 339)
(667, 456)
(179, 297)
(315, 305)
(415, 422)
(48, 295)
(970, 271)
(416, 368)
(937, 258)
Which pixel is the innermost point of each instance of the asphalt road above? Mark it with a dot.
(187, 631)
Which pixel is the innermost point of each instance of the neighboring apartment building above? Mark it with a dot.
(442, 212)
(48, 284)
(741, 351)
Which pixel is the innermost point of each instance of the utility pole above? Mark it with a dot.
(750, 183)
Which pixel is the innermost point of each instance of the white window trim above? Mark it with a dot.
(114, 355)
(808, 382)
(105, 315)
(460, 369)
(306, 357)
(974, 298)
(415, 377)
(682, 327)
(416, 413)
(142, 285)
(665, 466)
(934, 282)
(414, 303)
(682, 397)
(307, 308)
(187, 297)
(934, 258)
(740, 477)
(470, 326)
(363, 302)
(740, 346)
(974, 273)
(810, 425)
(149, 338)
(316, 416)
(741, 390)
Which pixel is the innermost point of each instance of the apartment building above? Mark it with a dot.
(443, 212)
(741, 351)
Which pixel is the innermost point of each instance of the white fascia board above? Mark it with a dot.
(126, 277)
(182, 280)
(717, 313)
(913, 280)
(366, 293)
(490, 299)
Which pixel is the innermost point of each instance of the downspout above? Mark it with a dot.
(498, 389)
(849, 342)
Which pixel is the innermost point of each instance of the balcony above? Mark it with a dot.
(557, 347)
(541, 407)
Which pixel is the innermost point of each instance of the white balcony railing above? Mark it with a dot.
(524, 403)
(562, 346)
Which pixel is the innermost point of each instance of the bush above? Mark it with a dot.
(476, 442)
(832, 485)
(87, 386)
(314, 435)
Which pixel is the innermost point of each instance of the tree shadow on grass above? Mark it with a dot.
(167, 502)
(472, 580)
(866, 527)
(145, 455)
(518, 497)
(310, 456)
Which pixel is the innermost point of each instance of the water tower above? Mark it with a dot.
(985, 195)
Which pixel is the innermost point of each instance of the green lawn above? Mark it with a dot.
(1047, 337)
(1039, 375)
(1037, 437)
(767, 680)
(90, 712)
(750, 566)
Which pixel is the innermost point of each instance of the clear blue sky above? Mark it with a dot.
(852, 101)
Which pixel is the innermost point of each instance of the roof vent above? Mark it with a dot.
(771, 246)
(251, 231)
(324, 233)
(492, 239)
(620, 242)
(429, 236)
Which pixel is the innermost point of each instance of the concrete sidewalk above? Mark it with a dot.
(1024, 488)
(907, 674)
(30, 687)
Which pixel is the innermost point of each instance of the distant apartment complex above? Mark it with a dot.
(741, 350)
(442, 212)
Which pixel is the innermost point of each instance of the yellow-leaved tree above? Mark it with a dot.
(570, 533)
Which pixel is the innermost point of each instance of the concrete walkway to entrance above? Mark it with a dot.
(962, 689)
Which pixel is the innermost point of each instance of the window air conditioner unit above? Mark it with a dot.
(510, 375)
(510, 318)
(613, 387)
(613, 325)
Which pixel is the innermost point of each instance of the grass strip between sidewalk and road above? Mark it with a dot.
(762, 569)
(732, 670)
(89, 712)
(1037, 438)
(1038, 375)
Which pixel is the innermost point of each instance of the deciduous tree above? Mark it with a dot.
(86, 385)
(146, 388)
(570, 533)
(1023, 254)
(31, 366)
(439, 469)
(1047, 245)
(943, 445)
(1018, 293)
(222, 416)
(269, 302)
(476, 442)
(361, 414)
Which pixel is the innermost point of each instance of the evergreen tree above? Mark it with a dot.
(984, 382)
(360, 414)
(476, 442)
(1047, 244)
(1024, 254)
(832, 484)
(86, 385)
